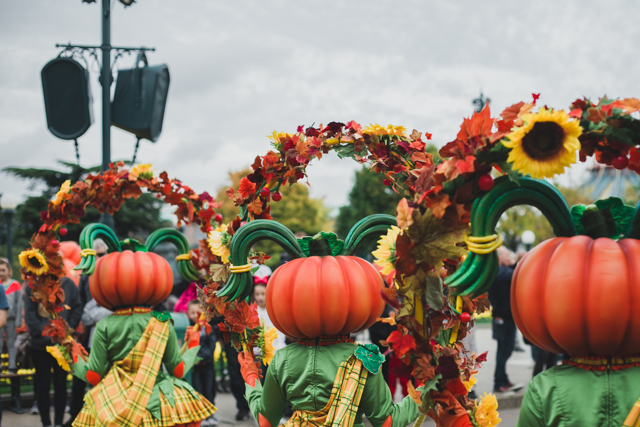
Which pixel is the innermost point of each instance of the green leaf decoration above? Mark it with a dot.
(434, 239)
(133, 245)
(162, 316)
(427, 402)
(605, 218)
(434, 292)
(369, 355)
(322, 244)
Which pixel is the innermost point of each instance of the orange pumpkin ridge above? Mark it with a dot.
(316, 296)
(579, 296)
(131, 278)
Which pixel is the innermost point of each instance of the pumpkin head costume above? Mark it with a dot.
(320, 297)
(575, 294)
(131, 345)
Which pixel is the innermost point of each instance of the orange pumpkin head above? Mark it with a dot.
(131, 278)
(580, 296)
(311, 297)
(324, 291)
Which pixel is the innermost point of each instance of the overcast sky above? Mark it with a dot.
(241, 69)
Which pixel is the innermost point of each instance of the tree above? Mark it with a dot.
(367, 196)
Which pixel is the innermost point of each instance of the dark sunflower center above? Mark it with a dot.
(543, 141)
(35, 262)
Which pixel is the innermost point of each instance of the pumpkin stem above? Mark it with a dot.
(478, 271)
(87, 236)
(240, 284)
(372, 225)
(133, 245)
(176, 238)
(322, 244)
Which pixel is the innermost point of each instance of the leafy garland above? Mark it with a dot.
(432, 220)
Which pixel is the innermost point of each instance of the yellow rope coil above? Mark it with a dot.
(483, 245)
(240, 268)
(183, 257)
(86, 252)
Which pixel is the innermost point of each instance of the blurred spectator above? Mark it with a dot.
(4, 307)
(260, 280)
(203, 376)
(504, 327)
(37, 318)
(189, 294)
(13, 293)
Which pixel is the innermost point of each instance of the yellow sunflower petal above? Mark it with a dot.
(556, 162)
(34, 261)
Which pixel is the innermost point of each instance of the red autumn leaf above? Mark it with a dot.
(466, 165)
(456, 386)
(78, 352)
(243, 316)
(406, 261)
(401, 344)
(247, 188)
(203, 324)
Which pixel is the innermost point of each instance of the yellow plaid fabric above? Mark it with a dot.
(122, 396)
(633, 419)
(343, 404)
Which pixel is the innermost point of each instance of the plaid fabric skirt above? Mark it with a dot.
(122, 397)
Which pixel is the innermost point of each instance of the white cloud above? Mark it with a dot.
(243, 69)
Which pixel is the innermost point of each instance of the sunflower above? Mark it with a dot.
(469, 384)
(55, 351)
(389, 130)
(218, 240)
(64, 189)
(486, 412)
(144, 171)
(270, 334)
(545, 145)
(34, 261)
(386, 253)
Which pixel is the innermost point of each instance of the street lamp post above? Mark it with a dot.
(527, 238)
(106, 79)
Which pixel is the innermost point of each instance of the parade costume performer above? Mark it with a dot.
(319, 297)
(136, 341)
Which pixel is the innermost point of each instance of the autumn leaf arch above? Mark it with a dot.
(433, 217)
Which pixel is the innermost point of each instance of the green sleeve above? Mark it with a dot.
(531, 409)
(79, 369)
(271, 403)
(172, 356)
(377, 404)
(98, 358)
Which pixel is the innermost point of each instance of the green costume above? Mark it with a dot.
(129, 349)
(567, 395)
(304, 375)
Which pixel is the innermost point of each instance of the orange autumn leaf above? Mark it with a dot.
(247, 188)
(415, 394)
(630, 105)
(243, 316)
(466, 165)
(404, 214)
(255, 207)
(439, 204)
(479, 124)
(391, 320)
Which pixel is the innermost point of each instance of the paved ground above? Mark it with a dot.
(519, 369)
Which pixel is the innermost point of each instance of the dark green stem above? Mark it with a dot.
(87, 236)
(478, 271)
(176, 238)
(240, 284)
(376, 224)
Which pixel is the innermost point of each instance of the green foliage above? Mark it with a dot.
(368, 196)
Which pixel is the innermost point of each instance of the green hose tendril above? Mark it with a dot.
(478, 271)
